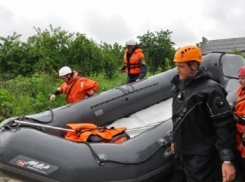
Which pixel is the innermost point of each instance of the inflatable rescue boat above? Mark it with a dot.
(33, 147)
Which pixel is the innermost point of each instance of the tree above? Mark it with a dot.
(157, 47)
(112, 56)
(50, 49)
(85, 55)
(14, 56)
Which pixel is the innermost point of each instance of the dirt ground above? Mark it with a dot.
(168, 178)
(5, 179)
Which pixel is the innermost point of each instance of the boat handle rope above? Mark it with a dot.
(163, 142)
(10, 125)
(125, 90)
(14, 124)
(24, 118)
(40, 127)
(220, 64)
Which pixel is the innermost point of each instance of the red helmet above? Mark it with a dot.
(241, 72)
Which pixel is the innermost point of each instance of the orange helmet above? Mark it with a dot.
(241, 72)
(188, 53)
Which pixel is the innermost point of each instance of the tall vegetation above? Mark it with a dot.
(48, 50)
(158, 50)
(28, 71)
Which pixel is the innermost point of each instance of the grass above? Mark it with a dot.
(29, 95)
(108, 84)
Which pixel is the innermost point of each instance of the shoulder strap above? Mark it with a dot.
(71, 87)
(240, 100)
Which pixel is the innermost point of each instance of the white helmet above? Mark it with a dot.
(64, 71)
(131, 42)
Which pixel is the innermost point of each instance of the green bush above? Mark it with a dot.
(6, 104)
(28, 95)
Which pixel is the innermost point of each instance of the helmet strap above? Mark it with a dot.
(191, 76)
(68, 77)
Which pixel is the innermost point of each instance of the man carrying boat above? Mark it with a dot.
(76, 88)
(202, 122)
(134, 62)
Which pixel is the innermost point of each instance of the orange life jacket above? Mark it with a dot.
(86, 131)
(78, 88)
(240, 112)
(133, 65)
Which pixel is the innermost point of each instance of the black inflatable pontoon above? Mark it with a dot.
(39, 152)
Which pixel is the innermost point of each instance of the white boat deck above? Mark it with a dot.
(146, 118)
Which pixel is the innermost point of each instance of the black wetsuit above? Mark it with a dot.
(203, 123)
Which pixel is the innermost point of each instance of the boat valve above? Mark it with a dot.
(102, 159)
(164, 141)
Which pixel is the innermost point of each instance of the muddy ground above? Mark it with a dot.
(168, 178)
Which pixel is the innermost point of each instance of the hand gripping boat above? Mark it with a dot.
(33, 148)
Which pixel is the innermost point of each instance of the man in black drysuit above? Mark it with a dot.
(202, 122)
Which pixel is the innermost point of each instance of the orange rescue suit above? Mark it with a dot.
(133, 65)
(78, 88)
(85, 130)
(240, 112)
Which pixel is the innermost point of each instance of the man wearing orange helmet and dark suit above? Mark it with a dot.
(202, 122)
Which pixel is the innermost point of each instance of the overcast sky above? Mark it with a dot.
(113, 21)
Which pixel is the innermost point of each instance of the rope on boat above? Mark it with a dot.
(220, 64)
(32, 120)
(125, 90)
(162, 143)
(7, 125)
(14, 125)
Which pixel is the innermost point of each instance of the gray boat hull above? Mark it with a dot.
(42, 154)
